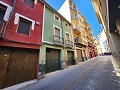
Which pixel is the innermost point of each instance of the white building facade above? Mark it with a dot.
(103, 42)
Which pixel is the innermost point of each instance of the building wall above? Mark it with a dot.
(49, 24)
(65, 10)
(48, 31)
(9, 2)
(35, 14)
(115, 45)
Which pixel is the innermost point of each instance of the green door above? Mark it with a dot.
(52, 60)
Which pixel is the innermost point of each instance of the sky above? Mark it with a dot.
(86, 9)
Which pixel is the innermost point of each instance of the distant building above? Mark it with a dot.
(98, 47)
(79, 25)
(103, 43)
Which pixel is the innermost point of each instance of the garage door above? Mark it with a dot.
(70, 60)
(17, 65)
(79, 55)
(52, 60)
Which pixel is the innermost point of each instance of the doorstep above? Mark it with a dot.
(21, 85)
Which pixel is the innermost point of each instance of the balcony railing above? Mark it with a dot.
(76, 27)
(78, 40)
(74, 16)
(72, 7)
(90, 44)
(57, 40)
(69, 43)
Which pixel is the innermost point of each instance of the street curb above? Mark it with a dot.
(21, 85)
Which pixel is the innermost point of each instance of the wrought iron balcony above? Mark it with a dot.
(90, 44)
(74, 16)
(73, 7)
(78, 40)
(69, 43)
(76, 28)
(57, 40)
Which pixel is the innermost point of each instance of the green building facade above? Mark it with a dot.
(57, 49)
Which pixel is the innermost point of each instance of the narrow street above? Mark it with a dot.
(95, 74)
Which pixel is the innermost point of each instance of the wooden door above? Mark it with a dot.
(79, 55)
(20, 66)
(52, 60)
(70, 60)
(4, 59)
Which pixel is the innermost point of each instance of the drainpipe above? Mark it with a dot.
(63, 44)
(4, 28)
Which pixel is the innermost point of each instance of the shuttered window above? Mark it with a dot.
(67, 36)
(57, 35)
(29, 2)
(24, 26)
(67, 39)
(57, 32)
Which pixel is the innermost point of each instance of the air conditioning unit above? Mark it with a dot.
(118, 25)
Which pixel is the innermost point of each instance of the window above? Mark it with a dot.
(66, 25)
(67, 39)
(57, 17)
(24, 26)
(2, 12)
(29, 2)
(57, 35)
(67, 36)
(57, 32)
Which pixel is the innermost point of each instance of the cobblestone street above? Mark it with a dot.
(95, 74)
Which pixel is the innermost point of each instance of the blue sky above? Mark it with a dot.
(86, 9)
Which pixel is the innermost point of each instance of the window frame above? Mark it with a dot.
(66, 35)
(57, 28)
(61, 36)
(3, 9)
(29, 5)
(55, 15)
(23, 19)
(66, 24)
(16, 20)
(8, 10)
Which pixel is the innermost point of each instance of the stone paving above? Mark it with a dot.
(95, 74)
